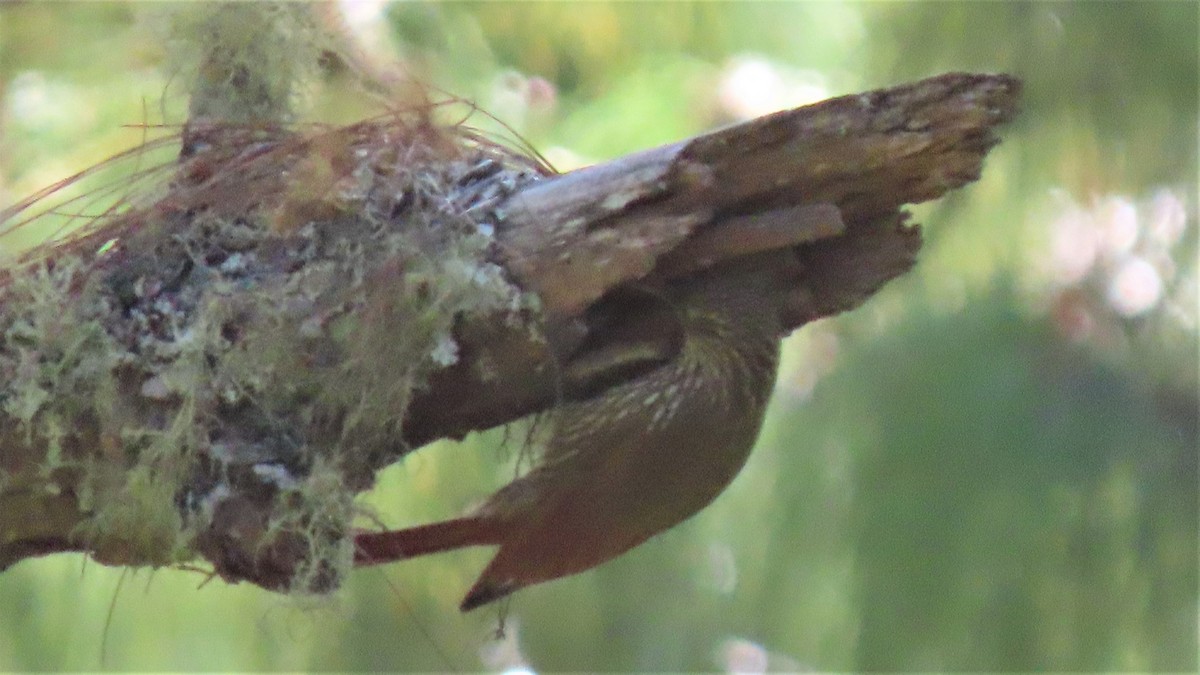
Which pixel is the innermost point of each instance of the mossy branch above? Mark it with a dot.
(220, 372)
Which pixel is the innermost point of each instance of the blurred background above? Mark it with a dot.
(990, 466)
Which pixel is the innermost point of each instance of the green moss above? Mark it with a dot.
(254, 336)
(136, 522)
(58, 363)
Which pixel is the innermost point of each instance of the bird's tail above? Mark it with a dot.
(375, 548)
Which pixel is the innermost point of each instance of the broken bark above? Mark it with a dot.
(219, 373)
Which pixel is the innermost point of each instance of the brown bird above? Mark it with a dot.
(637, 458)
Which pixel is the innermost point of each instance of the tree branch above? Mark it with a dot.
(218, 372)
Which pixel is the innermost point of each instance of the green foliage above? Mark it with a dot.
(1012, 502)
(947, 480)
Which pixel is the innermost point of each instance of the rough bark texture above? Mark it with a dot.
(218, 373)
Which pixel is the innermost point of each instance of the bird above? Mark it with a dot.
(637, 458)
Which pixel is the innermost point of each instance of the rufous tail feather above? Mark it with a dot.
(374, 548)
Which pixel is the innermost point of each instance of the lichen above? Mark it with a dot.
(242, 61)
(218, 366)
(226, 367)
